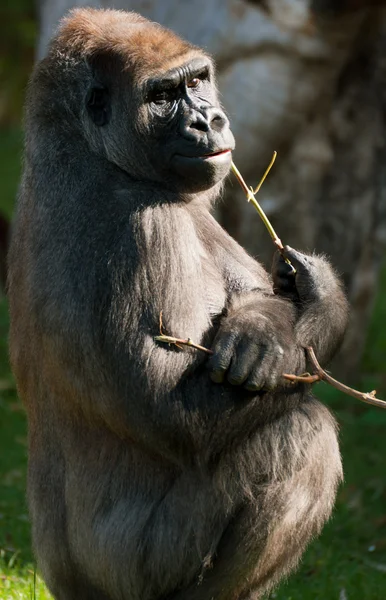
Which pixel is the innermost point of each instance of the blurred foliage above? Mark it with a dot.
(10, 164)
(18, 32)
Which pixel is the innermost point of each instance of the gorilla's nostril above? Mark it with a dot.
(218, 121)
(210, 118)
(200, 123)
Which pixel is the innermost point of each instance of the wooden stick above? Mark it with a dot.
(321, 375)
(257, 189)
(250, 194)
(169, 339)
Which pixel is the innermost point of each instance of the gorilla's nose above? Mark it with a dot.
(204, 121)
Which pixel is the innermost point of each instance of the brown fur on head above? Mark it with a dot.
(140, 43)
(137, 95)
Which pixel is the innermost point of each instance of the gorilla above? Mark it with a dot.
(157, 473)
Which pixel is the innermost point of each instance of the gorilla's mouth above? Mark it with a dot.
(226, 152)
(217, 155)
(207, 168)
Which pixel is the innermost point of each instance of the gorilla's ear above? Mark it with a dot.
(98, 104)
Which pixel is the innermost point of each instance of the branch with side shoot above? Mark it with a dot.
(179, 342)
(251, 193)
(322, 375)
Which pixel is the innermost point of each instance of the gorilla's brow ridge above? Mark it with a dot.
(176, 75)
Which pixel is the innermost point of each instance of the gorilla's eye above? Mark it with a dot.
(163, 96)
(193, 83)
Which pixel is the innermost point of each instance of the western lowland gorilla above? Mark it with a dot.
(157, 472)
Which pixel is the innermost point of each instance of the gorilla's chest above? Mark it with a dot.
(179, 273)
(213, 285)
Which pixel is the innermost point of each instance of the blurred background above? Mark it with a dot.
(306, 78)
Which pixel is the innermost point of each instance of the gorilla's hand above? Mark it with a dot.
(255, 345)
(313, 280)
(317, 293)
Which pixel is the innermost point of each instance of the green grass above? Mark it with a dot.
(347, 562)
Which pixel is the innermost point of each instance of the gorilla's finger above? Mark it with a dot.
(283, 276)
(284, 284)
(260, 370)
(299, 260)
(223, 350)
(282, 269)
(243, 360)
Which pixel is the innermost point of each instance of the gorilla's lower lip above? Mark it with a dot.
(203, 171)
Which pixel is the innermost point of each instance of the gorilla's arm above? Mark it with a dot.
(255, 342)
(319, 319)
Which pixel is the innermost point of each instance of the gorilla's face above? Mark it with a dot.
(169, 129)
(192, 133)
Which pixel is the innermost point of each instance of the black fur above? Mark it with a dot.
(155, 473)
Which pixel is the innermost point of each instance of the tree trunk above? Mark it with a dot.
(305, 78)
